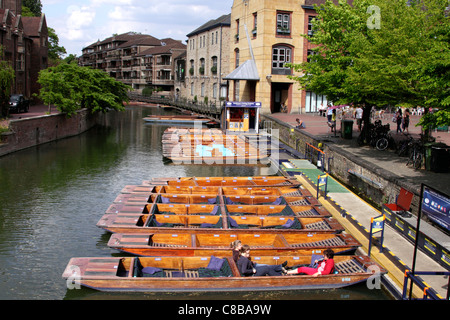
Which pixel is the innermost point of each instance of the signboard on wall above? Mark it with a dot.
(436, 206)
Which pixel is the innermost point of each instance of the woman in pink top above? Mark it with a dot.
(326, 266)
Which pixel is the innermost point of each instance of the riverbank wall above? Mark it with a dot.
(33, 131)
(369, 181)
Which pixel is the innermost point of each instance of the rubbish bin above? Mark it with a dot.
(440, 158)
(427, 147)
(346, 129)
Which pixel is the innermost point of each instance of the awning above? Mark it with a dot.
(246, 71)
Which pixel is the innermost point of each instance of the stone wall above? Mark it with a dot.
(371, 182)
(30, 132)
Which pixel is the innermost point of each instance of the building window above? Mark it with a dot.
(215, 90)
(314, 102)
(203, 89)
(255, 25)
(214, 65)
(237, 31)
(191, 69)
(310, 26)
(236, 58)
(201, 70)
(283, 24)
(192, 88)
(280, 56)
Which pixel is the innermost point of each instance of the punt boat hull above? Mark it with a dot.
(119, 275)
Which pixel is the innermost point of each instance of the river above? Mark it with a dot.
(52, 196)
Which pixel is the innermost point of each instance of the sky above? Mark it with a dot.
(83, 22)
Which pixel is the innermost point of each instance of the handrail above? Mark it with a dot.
(319, 150)
(427, 291)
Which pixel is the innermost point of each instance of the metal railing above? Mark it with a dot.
(428, 293)
(211, 109)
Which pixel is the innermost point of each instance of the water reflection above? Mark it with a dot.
(52, 196)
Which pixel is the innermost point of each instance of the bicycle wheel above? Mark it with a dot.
(382, 144)
(418, 161)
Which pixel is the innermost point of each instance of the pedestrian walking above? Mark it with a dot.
(406, 121)
(398, 117)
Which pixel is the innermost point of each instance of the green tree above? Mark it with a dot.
(380, 52)
(7, 76)
(33, 6)
(71, 87)
(55, 51)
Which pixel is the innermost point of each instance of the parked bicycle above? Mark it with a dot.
(404, 146)
(416, 155)
(378, 136)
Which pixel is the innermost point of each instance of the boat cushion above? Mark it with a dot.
(214, 211)
(165, 200)
(212, 201)
(150, 270)
(233, 223)
(215, 263)
(288, 224)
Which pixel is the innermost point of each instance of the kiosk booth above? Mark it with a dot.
(241, 116)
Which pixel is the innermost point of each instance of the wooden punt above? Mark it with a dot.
(192, 146)
(271, 181)
(148, 189)
(197, 244)
(178, 119)
(151, 223)
(186, 274)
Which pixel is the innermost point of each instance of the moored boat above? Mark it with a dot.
(155, 223)
(176, 119)
(198, 244)
(185, 274)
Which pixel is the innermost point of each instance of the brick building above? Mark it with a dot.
(137, 60)
(24, 41)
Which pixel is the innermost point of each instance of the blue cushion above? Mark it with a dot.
(212, 201)
(233, 223)
(288, 224)
(277, 202)
(229, 201)
(206, 225)
(215, 263)
(150, 270)
(165, 200)
(214, 211)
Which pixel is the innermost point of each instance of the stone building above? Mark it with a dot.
(24, 41)
(207, 61)
(265, 35)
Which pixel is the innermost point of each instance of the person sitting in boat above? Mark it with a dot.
(325, 266)
(247, 268)
(236, 247)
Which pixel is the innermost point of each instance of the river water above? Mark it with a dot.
(52, 196)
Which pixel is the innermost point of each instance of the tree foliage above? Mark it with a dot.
(379, 52)
(70, 87)
(7, 76)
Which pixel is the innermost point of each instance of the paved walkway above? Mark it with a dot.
(398, 253)
(387, 160)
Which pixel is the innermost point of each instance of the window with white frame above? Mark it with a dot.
(283, 23)
(280, 56)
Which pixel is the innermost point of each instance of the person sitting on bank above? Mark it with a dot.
(325, 266)
(248, 269)
(300, 124)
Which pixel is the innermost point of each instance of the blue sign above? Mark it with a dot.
(240, 104)
(437, 207)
